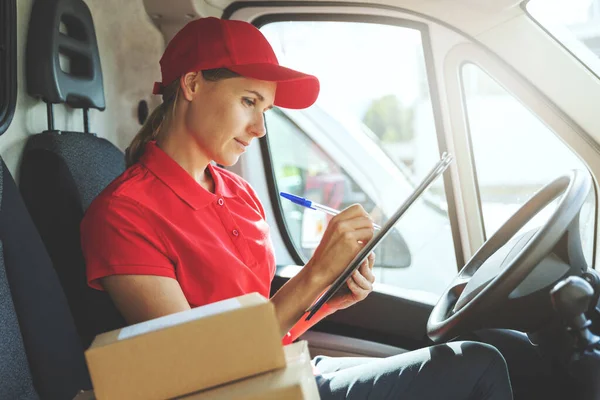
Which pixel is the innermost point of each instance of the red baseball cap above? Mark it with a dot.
(209, 43)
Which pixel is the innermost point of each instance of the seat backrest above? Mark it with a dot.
(42, 353)
(62, 172)
(15, 379)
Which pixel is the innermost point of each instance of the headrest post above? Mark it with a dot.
(86, 120)
(50, 113)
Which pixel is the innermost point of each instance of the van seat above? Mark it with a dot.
(62, 172)
(41, 355)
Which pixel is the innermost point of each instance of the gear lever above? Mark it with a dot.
(571, 299)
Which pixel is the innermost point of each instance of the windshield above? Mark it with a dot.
(574, 23)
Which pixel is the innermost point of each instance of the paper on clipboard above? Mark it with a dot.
(435, 172)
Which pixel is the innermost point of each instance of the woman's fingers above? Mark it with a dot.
(345, 235)
(355, 210)
(348, 225)
(371, 259)
(366, 269)
(350, 240)
(358, 292)
(362, 281)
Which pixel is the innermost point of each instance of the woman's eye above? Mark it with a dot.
(249, 102)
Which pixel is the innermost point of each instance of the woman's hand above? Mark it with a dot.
(359, 285)
(344, 237)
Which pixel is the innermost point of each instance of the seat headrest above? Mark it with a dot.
(64, 28)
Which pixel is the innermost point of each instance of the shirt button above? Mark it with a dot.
(235, 233)
(220, 201)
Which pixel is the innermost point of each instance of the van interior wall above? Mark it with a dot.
(130, 47)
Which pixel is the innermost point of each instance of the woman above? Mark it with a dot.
(175, 231)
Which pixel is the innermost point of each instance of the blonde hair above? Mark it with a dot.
(156, 123)
(160, 119)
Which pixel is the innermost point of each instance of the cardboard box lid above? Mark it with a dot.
(177, 319)
(188, 351)
(294, 382)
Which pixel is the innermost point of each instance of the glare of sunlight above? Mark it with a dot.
(574, 23)
(561, 12)
(362, 66)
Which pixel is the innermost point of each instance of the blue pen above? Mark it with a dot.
(301, 201)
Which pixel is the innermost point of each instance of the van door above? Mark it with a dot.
(376, 129)
(402, 80)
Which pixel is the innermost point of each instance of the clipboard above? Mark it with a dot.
(435, 172)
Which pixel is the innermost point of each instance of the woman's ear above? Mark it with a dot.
(190, 84)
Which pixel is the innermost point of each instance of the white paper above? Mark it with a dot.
(179, 318)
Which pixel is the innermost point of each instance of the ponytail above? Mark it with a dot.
(157, 122)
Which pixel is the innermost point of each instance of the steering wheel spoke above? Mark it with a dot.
(458, 285)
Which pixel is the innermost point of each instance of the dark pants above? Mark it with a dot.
(532, 374)
(453, 371)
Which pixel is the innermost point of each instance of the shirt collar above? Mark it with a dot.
(180, 181)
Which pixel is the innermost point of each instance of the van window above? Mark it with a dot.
(368, 139)
(302, 168)
(510, 164)
(8, 62)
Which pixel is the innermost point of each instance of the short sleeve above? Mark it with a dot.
(118, 238)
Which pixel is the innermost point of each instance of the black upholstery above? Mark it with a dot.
(54, 351)
(87, 163)
(16, 382)
(62, 172)
(15, 379)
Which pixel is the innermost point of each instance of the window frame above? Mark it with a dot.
(423, 28)
(465, 110)
(555, 39)
(265, 148)
(8, 63)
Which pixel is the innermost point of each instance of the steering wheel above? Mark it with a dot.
(490, 277)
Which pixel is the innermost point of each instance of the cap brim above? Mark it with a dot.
(294, 89)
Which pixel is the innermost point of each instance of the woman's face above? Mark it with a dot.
(224, 117)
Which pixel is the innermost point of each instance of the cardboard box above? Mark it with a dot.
(294, 382)
(187, 351)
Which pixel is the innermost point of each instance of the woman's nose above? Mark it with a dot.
(258, 128)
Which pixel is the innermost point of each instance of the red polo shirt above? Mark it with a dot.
(155, 219)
